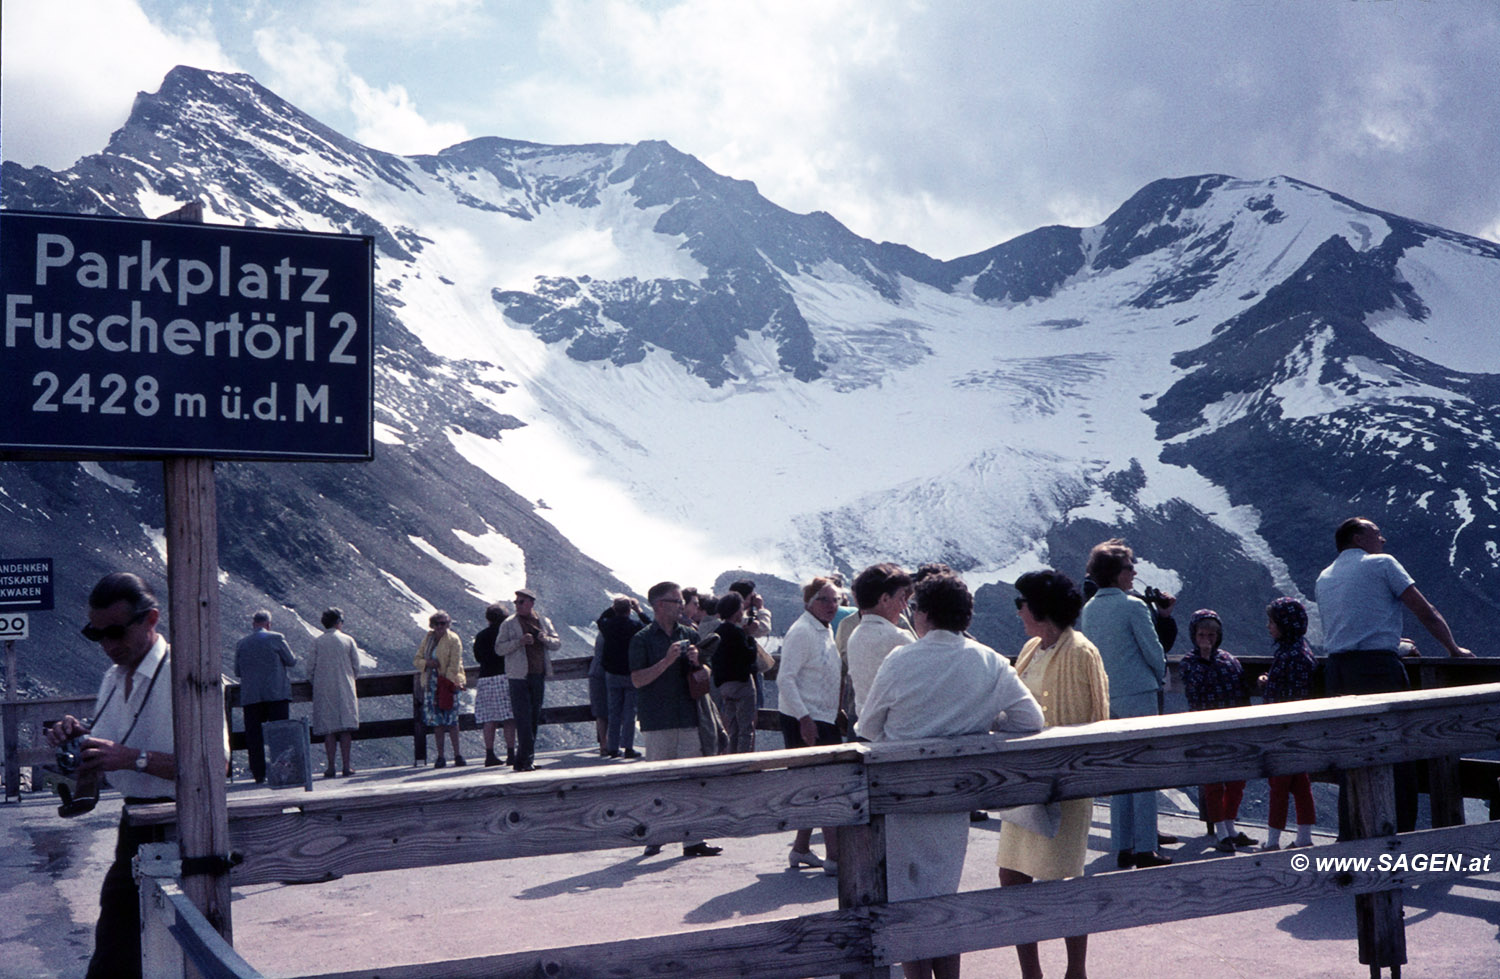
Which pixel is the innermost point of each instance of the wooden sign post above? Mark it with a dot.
(198, 696)
(192, 531)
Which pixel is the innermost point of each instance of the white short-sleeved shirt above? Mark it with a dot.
(149, 709)
(1359, 597)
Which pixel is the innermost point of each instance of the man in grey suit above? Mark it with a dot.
(261, 660)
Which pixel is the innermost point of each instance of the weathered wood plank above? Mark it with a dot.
(861, 851)
(813, 945)
(198, 706)
(1372, 812)
(985, 771)
(828, 943)
(1045, 910)
(461, 825)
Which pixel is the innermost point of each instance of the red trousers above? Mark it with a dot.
(1221, 800)
(1299, 786)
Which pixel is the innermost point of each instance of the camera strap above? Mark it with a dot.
(144, 701)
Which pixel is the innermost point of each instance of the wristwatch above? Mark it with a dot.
(141, 761)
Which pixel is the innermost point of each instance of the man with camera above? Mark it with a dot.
(130, 739)
(661, 657)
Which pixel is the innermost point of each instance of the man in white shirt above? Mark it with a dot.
(882, 592)
(1361, 596)
(130, 738)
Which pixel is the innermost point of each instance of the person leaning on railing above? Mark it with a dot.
(942, 685)
(1361, 596)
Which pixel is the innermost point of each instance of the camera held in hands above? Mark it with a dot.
(79, 794)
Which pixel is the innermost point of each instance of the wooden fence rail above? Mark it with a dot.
(487, 816)
(23, 719)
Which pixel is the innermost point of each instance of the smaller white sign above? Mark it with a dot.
(14, 625)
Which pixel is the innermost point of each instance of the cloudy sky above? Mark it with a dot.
(949, 125)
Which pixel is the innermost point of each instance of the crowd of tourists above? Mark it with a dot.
(898, 665)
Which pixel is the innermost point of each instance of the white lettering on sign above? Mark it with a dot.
(145, 272)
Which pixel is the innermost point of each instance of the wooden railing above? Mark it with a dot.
(363, 829)
(23, 720)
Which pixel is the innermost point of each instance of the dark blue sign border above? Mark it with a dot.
(123, 337)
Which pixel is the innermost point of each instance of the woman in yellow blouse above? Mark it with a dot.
(1063, 671)
(441, 655)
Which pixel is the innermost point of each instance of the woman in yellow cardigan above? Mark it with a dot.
(441, 655)
(1063, 671)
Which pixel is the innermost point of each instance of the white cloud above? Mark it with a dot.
(72, 70)
(315, 76)
(389, 120)
(309, 73)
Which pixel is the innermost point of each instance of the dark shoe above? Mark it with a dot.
(1240, 839)
(1151, 860)
(1166, 839)
(652, 849)
(978, 816)
(610, 754)
(1125, 859)
(1225, 845)
(525, 768)
(328, 772)
(702, 850)
(510, 759)
(348, 772)
(440, 763)
(632, 753)
(458, 761)
(491, 759)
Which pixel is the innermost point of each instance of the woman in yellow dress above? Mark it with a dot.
(1063, 671)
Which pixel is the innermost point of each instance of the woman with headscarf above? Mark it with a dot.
(331, 670)
(943, 684)
(1289, 678)
(808, 688)
(439, 662)
(1063, 671)
(1121, 627)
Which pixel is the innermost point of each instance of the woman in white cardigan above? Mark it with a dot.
(807, 686)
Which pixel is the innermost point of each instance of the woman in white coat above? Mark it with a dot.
(941, 685)
(331, 668)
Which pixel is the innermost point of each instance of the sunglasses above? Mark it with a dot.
(114, 633)
(1020, 604)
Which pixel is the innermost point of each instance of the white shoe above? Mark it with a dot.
(830, 868)
(803, 858)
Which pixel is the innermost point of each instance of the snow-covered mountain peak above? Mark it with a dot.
(603, 365)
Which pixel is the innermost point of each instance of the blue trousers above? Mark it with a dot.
(1132, 815)
(621, 730)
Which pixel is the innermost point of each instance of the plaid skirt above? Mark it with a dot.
(492, 700)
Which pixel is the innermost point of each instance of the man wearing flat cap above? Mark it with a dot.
(527, 641)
